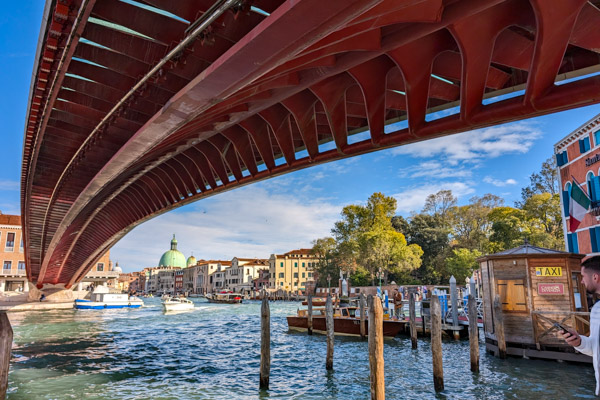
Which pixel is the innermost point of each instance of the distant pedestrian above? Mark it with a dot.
(397, 303)
(588, 345)
(42, 297)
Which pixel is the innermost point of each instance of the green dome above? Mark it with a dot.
(191, 261)
(173, 257)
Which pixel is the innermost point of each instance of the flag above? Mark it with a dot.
(579, 203)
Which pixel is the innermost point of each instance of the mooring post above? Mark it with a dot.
(454, 301)
(265, 343)
(376, 363)
(473, 333)
(499, 327)
(412, 317)
(363, 311)
(436, 344)
(329, 321)
(6, 337)
(309, 316)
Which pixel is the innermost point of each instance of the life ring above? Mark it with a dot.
(129, 304)
(106, 305)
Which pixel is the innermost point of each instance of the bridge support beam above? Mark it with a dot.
(52, 293)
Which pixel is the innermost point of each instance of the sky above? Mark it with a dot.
(290, 211)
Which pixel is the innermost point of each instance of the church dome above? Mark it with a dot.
(173, 257)
(191, 261)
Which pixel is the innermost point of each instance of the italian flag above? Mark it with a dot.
(579, 203)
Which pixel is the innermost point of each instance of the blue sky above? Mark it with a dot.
(290, 211)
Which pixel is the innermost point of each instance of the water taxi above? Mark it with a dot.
(346, 322)
(224, 297)
(101, 300)
(177, 304)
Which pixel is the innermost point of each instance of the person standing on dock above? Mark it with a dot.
(397, 303)
(588, 345)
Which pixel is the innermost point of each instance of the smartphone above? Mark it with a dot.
(561, 327)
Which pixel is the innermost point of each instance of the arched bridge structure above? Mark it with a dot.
(138, 107)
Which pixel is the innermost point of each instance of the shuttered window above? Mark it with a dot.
(512, 294)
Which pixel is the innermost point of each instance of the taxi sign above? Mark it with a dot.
(548, 271)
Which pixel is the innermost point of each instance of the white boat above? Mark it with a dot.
(177, 304)
(101, 299)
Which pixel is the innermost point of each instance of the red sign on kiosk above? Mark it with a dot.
(551, 288)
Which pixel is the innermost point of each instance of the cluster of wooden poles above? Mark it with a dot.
(375, 338)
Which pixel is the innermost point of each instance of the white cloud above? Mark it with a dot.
(253, 221)
(413, 199)
(478, 144)
(6, 184)
(432, 169)
(499, 183)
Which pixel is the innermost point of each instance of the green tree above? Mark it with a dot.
(508, 228)
(325, 250)
(462, 263)
(366, 239)
(439, 203)
(470, 223)
(544, 220)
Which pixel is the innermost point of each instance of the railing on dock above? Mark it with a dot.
(546, 333)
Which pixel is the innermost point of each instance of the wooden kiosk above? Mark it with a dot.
(536, 287)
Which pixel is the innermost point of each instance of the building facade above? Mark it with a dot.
(578, 162)
(205, 278)
(291, 271)
(13, 276)
(243, 272)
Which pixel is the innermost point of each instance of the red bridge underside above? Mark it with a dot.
(139, 107)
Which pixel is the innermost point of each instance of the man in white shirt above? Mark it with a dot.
(588, 345)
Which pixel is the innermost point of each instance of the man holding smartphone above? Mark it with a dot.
(588, 345)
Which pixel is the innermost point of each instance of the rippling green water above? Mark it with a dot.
(213, 352)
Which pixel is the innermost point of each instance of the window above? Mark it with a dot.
(296, 265)
(593, 183)
(21, 265)
(310, 274)
(10, 240)
(100, 267)
(303, 265)
(281, 274)
(280, 283)
(562, 158)
(21, 246)
(295, 275)
(512, 294)
(573, 243)
(597, 138)
(304, 275)
(566, 195)
(584, 145)
(281, 264)
(7, 264)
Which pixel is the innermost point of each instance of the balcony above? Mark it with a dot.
(13, 272)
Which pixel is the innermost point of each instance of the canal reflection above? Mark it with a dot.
(213, 352)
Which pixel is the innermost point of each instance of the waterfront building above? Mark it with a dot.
(204, 282)
(218, 278)
(13, 276)
(262, 282)
(125, 282)
(173, 257)
(242, 272)
(577, 158)
(178, 281)
(291, 271)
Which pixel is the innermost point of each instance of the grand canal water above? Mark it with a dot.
(213, 352)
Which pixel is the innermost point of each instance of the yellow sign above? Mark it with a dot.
(548, 271)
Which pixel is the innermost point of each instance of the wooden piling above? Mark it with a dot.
(412, 316)
(454, 302)
(310, 317)
(436, 344)
(499, 327)
(376, 363)
(265, 343)
(329, 322)
(473, 334)
(363, 330)
(6, 337)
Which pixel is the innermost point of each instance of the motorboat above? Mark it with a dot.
(346, 322)
(224, 297)
(101, 299)
(177, 304)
